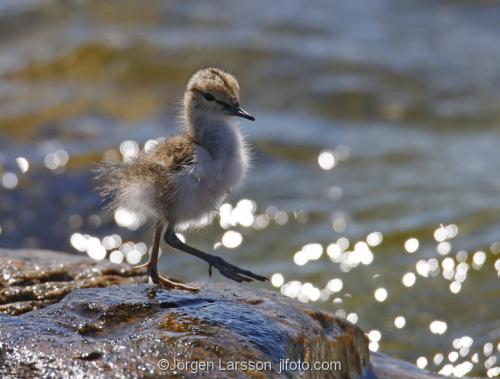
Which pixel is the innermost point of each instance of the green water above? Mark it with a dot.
(403, 96)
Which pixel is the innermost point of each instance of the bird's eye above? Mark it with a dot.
(208, 97)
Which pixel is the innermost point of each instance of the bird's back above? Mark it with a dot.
(145, 184)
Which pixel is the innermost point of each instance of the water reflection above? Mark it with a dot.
(23, 164)
(9, 180)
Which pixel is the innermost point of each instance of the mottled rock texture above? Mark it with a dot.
(31, 279)
(55, 324)
(70, 317)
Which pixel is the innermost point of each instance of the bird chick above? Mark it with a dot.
(181, 180)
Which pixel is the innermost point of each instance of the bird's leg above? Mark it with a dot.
(152, 265)
(228, 270)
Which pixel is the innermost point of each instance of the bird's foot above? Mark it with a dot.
(144, 265)
(232, 272)
(165, 283)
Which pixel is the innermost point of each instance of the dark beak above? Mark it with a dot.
(240, 112)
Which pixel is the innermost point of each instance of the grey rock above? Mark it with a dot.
(64, 328)
(66, 316)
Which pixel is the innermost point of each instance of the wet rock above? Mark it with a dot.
(31, 279)
(135, 330)
(386, 367)
(68, 316)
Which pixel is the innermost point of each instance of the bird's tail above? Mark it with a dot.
(109, 177)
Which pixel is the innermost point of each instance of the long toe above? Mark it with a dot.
(252, 275)
(169, 284)
(140, 267)
(234, 276)
(235, 273)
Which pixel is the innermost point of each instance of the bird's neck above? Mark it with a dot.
(220, 136)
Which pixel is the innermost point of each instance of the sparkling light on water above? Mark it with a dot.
(129, 150)
(95, 250)
(438, 359)
(411, 245)
(261, 222)
(291, 289)
(79, 242)
(281, 218)
(444, 233)
(462, 369)
(497, 266)
(300, 258)
(443, 248)
(313, 251)
(464, 341)
(9, 180)
(277, 279)
(242, 214)
(335, 285)
(373, 346)
(399, 322)
(380, 294)
(111, 242)
(51, 161)
(478, 259)
(352, 317)
(438, 327)
(339, 225)
(57, 159)
(374, 239)
(334, 252)
(446, 370)
(455, 287)
(149, 145)
(409, 279)
(232, 239)
(116, 256)
(495, 247)
(453, 356)
(22, 164)
(421, 362)
(448, 264)
(133, 256)
(310, 251)
(422, 268)
(127, 219)
(488, 349)
(374, 335)
(308, 293)
(326, 160)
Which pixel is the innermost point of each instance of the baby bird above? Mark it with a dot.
(181, 180)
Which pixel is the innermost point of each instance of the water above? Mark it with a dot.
(398, 102)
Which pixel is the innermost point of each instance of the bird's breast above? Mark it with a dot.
(222, 157)
(202, 186)
(220, 173)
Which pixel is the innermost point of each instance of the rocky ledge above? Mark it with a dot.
(67, 316)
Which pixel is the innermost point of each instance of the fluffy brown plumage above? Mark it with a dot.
(214, 80)
(152, 170)
(181, 180)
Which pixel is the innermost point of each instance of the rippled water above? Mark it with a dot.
(375, 191)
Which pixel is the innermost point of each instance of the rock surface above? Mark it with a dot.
(31, 279)
(125, 330)
(386, 367)
(68, 316)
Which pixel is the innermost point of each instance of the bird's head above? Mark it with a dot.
(213, 94)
